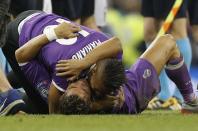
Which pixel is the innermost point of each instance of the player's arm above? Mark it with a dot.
(109, 49)
(30, 49)
(53, 99)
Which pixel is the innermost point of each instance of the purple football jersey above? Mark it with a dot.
(75, 48)
(38, 77)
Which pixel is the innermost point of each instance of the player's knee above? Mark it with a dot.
(168, 41)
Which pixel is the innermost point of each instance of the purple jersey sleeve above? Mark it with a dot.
(59, 82)
(38, 77)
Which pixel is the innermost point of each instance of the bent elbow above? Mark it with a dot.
(19, 56)
(118, 44)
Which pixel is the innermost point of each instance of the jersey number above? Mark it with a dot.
(70, 41)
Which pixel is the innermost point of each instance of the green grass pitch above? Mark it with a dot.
(147, 121)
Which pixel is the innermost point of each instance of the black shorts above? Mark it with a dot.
(193, 11)
(9, 49)
(73, 9)
(19, 6)
(159, 9)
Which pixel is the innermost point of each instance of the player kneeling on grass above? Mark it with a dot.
(44, 39)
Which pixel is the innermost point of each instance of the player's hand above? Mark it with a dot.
(67, 30)
(70, 68)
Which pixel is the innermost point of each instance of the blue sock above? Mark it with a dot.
(186, 50)
(3, 63)
(165, 92)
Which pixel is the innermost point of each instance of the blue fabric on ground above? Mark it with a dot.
(3, 63)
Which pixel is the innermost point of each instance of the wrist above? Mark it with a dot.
(50, 34)
(85, 63)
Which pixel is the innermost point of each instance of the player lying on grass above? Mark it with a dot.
(142, 82)
(40, 51)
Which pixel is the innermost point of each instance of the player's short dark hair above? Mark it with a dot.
(113, 74)
(73, 104)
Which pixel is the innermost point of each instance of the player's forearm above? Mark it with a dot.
(109, 49)
(30, 49)
(53, 108)
(53, 100)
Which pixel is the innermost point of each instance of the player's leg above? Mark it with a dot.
(160, 51)
(152, 12)
(9, 52)
(148, 68)
(192, 11)
(150, 23)
(179, 31)
(10, 100)
(87, 15)
(193, 18)
(4, 84)
(150, 32)
(163, 51)
(150, 29)
(195, 32)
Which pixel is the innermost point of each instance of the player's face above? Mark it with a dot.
(81, 89)
(95, 81)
